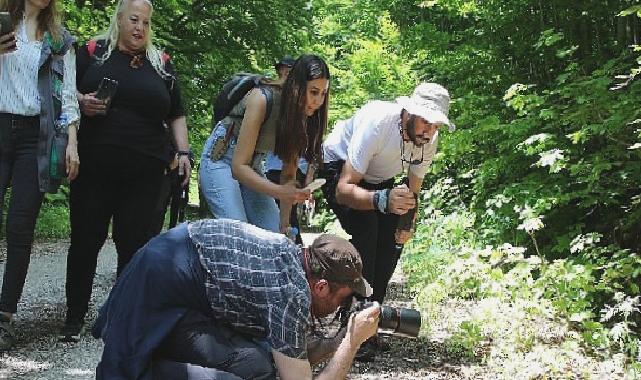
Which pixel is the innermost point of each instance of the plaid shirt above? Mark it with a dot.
(255, 282)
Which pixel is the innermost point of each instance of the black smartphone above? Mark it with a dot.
(5, 23)
(106, 90)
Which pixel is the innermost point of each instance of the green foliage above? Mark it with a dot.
(53, 220)
(466, 340)
(570, 287)
(508, 310)
(362, 47)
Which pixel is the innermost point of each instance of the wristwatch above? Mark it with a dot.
(188, 153)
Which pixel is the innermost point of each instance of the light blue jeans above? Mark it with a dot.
(226, 197)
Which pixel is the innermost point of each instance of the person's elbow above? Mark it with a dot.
(236, 170)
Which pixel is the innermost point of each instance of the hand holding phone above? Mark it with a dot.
(106, 90)
(315, 184)
(7, 34)
(90, 106)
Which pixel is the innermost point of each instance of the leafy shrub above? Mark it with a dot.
(53, 222)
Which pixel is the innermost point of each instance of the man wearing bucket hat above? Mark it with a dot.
(225, 300)
(362, 157)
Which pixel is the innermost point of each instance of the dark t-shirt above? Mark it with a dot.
(143, 101)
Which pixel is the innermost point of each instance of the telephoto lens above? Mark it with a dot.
(397, 321)
(400, 321)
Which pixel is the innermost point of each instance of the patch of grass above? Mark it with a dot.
(53, 222)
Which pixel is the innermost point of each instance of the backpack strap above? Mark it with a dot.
(91, 47)
(269, 100)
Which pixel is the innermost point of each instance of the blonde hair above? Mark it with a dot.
(113, 34)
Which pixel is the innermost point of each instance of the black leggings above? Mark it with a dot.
(18, 168)
(200, 348)
(113, 183)
(372, 232)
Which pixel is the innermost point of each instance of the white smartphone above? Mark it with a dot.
(315, 184)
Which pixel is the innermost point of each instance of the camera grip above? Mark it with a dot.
(406, 221)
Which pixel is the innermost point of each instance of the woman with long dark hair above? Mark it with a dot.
(38, 120)
(233, 182)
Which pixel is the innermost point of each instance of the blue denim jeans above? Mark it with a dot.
(226, 197)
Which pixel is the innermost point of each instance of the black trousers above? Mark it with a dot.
(372, 232)
(18, 168)
(113, 183)
(199, 348)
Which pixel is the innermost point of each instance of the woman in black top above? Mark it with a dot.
(123, 147)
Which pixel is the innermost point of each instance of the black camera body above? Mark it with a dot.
(406, 221)
(397, 321)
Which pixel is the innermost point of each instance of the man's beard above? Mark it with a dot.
(410, 127)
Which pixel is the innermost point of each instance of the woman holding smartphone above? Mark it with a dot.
(128, 92)
(38, 120)
(234, 184)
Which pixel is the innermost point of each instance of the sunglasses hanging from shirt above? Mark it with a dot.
(404, 158)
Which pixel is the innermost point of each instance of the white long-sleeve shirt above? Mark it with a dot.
(19, 79)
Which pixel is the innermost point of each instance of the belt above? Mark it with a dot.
(331, 170)
(19, 121)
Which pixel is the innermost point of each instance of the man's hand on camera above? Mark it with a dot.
(401, 199)
(363, 324)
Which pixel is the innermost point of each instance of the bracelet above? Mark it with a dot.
(381, 199)
(189, 154)
(387, 199)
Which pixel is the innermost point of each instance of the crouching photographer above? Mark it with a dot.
(220, 299)
(362, 157)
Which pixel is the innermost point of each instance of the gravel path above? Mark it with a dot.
(409, 359)
(41, 313)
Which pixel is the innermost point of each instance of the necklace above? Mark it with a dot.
(136, 61)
